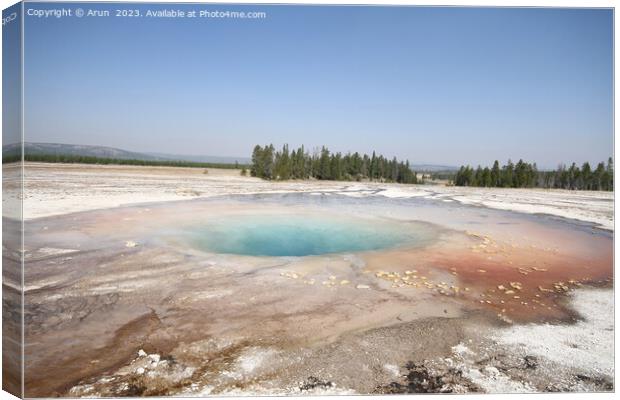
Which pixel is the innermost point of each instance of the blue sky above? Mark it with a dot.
(433, 85)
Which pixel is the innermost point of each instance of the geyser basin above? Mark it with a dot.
(295, 235)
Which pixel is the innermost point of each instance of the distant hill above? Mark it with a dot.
(111, 152)
(197, 158)
(76, 150)
(433, 168)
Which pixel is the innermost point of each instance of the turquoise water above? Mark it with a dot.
(302, 236)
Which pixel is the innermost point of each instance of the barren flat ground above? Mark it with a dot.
(489, 290)
(53, 189)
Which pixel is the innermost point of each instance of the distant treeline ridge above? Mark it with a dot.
(526, 175)
(267, 163)
(75, 159)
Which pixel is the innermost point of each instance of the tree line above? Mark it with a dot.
(271, 164)
(77, 159)
(527, 175)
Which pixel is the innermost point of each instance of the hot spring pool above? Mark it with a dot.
(269, 235)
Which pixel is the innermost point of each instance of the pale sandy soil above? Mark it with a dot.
(54, 189)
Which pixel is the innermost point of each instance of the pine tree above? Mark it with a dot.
(324, 165)
(267, 161)
(257, 162)
(495, 174)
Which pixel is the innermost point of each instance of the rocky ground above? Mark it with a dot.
(472, 356)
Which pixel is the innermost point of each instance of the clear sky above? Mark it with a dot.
(433, 85)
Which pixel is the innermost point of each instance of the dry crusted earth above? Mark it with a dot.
(53, 189)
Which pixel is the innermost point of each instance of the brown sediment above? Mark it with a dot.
(68, 371)
(523, 283)
(12, 328)
(11, 339)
